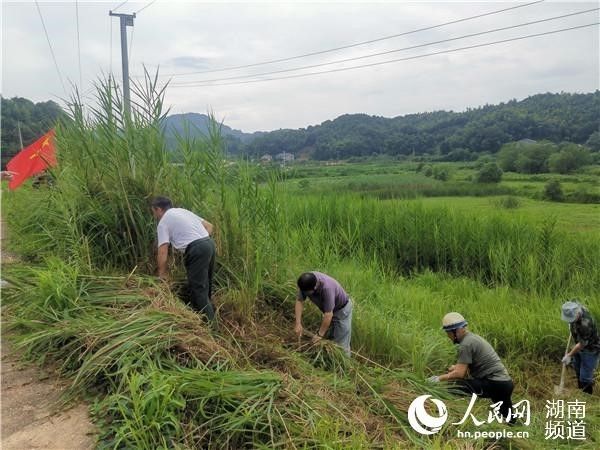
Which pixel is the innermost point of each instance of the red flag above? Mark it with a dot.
(32, 160)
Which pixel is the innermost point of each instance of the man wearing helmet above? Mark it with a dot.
(478, 369)
(586, 352)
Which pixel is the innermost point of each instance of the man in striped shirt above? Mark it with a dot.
(329, 296)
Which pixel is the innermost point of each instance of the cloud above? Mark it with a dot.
(190, 62)
(199, 36)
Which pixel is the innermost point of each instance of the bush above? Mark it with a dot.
(553, 191)
(570, 158)
(489, 173)
(583, 195)
(484, 159)
(509, 202)
(441, 173)
(427, 171)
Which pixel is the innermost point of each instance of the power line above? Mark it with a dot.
(78, 44)
(399, 59)
(357, 43)
(120, 5)
(50, 45)
(312, 66)
(148, 5)
(131, 42)
(110, 50)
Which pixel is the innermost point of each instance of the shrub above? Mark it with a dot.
(508, 202)
(570, 158)
(553, 191)
(583, 195)
(489, 173)
(441, 173)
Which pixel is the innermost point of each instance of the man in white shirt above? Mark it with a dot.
(189, 234)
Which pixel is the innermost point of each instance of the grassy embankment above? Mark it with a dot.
(161, 379)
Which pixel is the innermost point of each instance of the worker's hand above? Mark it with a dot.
(298, 329)
(451, 368)
(316, 338)
(7, 175)
(567, 360)
(434, 379)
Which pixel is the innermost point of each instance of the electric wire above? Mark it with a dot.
(78, 44)
(120, 5)
(397, 60)
(147, 6)
(51, 49)
(357, 43)
(110, 61)
(312, 66)
(131, 42)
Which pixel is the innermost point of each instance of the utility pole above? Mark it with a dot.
(126, 21)
(20, 137)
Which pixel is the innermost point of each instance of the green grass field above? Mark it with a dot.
(571, 217)
(85, 300)
(400, 179)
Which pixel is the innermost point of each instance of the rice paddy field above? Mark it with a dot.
(84, 298)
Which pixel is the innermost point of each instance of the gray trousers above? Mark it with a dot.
(341, 327)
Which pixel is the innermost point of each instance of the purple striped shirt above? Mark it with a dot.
(328, 296)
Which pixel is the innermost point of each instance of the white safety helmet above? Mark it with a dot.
(453, 321)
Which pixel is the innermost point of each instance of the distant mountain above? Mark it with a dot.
(198, 124)
(452, 135)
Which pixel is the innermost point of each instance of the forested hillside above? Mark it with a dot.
(553, 117)
(456, 135)
(34, 119)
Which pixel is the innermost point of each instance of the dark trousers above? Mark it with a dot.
(585, 364)
(199, 260)
(498, 391)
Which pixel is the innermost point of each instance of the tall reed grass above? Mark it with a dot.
(407, 237)
(163, 380)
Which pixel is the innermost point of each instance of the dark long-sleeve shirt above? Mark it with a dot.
(585, 332)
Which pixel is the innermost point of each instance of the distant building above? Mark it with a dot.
(284, 156)
(266, 158)
(526, 142)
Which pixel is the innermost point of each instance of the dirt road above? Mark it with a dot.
(29, 420)
(28, 399)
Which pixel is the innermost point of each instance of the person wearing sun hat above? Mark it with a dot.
(478, 369)
(586, 352)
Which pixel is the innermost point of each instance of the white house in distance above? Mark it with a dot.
(526, 142)
(266, 158)
(284, 156)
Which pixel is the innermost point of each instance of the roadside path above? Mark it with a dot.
(28, 398)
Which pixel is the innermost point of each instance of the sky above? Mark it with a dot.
(179, 37)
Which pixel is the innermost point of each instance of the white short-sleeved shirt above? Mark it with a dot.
(179, 227)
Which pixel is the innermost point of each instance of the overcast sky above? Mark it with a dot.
(197, 36)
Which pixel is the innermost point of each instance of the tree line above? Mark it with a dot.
(33, 119)
(447, 135)
(455, 136)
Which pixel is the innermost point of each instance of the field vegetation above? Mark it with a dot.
(85, 300)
